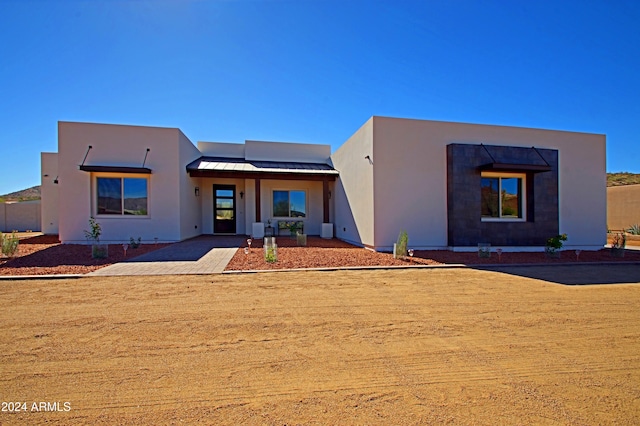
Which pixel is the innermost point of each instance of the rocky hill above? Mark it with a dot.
(28, 194)
(623, 178)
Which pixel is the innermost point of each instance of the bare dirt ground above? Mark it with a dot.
(455, 346)
(44, 255)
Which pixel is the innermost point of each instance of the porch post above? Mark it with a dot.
(258, 218)
(325, 200)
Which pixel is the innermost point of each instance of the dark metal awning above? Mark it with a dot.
(511, 167)
(515, 167)
(241, 168)
(115, 169)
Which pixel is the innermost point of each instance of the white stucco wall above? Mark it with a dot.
(118, 145)
(284, 151)
(190, 206)
(410, 171)
(49, 193)
(20, 216)
(221, 149)
(354, 189)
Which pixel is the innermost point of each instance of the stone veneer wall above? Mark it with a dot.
(465, 227)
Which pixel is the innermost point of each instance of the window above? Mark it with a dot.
(122, 196)
(502, 196)
(289, 204)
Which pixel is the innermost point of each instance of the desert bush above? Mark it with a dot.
(402, 244)
(555, 243)
(634, 229)
(9, 244)
(95, 232)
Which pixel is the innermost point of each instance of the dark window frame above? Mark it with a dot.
(109, 208)
(289, 215)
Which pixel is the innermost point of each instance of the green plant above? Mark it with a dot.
(271, 255)
(135, 243)
(402, 244)
(293, 226)
(95, 232)
(484, 250)
(9, 244)
(554, 244)
(619, 241)
(634, 229)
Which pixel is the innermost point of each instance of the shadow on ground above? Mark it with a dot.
(575, 274)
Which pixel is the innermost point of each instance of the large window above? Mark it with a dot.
(122, 196)
(502, 196)
(289, 204)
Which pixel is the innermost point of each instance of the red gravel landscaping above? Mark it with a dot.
(42, 255)
(321, 253)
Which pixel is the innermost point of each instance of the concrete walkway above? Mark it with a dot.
(206, 254)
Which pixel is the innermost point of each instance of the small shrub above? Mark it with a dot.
(135, 243)
(271, 254)
(9, 244)
(634, 229)
(402, 244)
(95, 232)
(484, 250)
(554, 244)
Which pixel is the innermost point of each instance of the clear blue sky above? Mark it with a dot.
(314, 71)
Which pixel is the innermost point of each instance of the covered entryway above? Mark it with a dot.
(224, 207)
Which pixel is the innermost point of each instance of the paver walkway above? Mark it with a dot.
(206, 254)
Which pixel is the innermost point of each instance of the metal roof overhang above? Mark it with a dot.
(509, 167)
(247, 169)
(116, 169)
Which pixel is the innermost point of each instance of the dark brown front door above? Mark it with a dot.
(224, 209)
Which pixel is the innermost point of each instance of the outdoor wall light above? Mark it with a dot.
(197, 191)
(55, 180)
(367, 157)
(241, 194)
(329, 194)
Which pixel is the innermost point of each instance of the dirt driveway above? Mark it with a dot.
(457, 346)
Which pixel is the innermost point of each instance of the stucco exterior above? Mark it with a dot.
(20, 216)
(354, 189)
(119, 145)
(392, 174)
(623, 207)
(49, 193)
(407, 179)
(179, 205)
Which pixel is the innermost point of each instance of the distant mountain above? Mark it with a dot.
(623, 178)
(32, 193)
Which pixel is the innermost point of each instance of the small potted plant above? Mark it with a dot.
(554, 245)
(618, 244)
(293, 226)
(484, 250)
